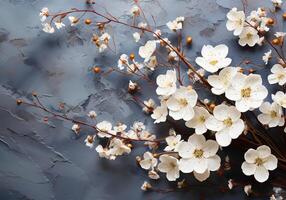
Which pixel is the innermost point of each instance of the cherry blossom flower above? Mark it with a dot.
(153, 175)
(166, 83)
(277, 3)
(249, 36)
(278, 75)
(148, 161)
(105, 37)
(138, 126)
(258, 162)
(280, 98)
(76, 128)
(73, 20)
(235, 21)
(147, 50)
(149, 106)
(123, 60)
(136, 36)
(214, 58)
(198, 155)
(104, 153)
(181, 103)
(120, 128)
(173, 141)
(48, 28)
(117, 147)
(247, 91)
(272, 114)
(89, 141)
(160, 113)
(102, 48)
(267, 56)
(92, 114)
(142, 25)
(146, 186)
(222, 81)
(169, 165)
(104, 128)
(176, 24)
(44, 13)
(247, 189)
(135, 10)
(198, 121)
(59, 24)
(152, 64)
(226, 121)
(173, 56)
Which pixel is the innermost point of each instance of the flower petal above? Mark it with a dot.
(261, 174)
(248, 168)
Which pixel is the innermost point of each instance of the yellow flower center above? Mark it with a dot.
(198, 153)
(213, 62)
(183, 102)
(246, 92)
(281, 76)
(273, 114)
(248, 36)
(227, 122)
(202, 119)
(259, 161)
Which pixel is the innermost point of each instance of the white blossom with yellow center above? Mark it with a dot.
(213, 58)
(247, 91)
(258, 162)
(181, 103)
(226, 121)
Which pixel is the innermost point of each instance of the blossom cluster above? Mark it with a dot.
(212, 126)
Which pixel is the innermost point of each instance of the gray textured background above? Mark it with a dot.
(42, 162)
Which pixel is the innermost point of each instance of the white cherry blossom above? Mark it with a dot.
(198, 121)
(222, 81)
(173, 142)
(176, 24)
(148, 161)
(267, 56)
(160, 113)
(198, 155)
(166, 83)
(136, 36)
(135, 10)
(147, 50)
(123, 61)
(280, 98)
(59, 25)
(104, 127)
(258, 162)
(44, 13)
(247, 91)
(181, 103)
(249, 36)
(277, 3)
(48, 28)
(142, 25)
(73, 20)
(226, 121)
(278, 75)
(213, 58)
(235, 21)
(169, 165)
(92, 114)
(117, 147)
(76, 128)
(272, 114)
